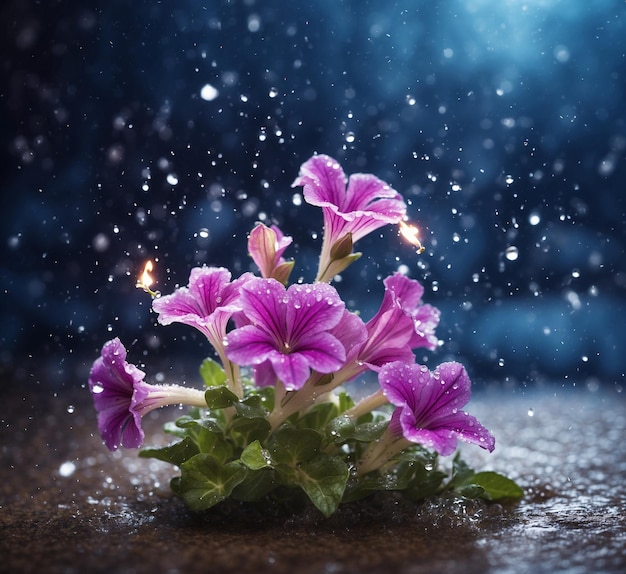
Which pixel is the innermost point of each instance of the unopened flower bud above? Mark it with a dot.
(342, 247)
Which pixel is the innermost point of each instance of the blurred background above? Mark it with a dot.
(164, 130)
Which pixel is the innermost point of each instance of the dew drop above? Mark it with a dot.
(511, 253)
(208, 93)
(67, 469)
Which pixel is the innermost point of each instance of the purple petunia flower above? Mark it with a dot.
(266, 246)
(122, 397)
(207, 304)
(401, 324)
(366, 204)
(429, 406)
(288, 334)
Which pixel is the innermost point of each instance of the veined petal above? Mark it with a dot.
(451, 388)
(289, 328)
(367, 204)
(443, 440)
(323, 180)
(312, 309)
(425, 321)
(179, 307)
(368, 194)
(406, 292)
(323, 351)
(112, 382)
(264, 374)
(468, 429)
(351, 333)
(249, 345)
(428, 406)
(206, 285)
(264, 303)
(293, 370)
(401, 382)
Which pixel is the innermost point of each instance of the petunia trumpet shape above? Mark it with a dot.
(401, 324)
(429, 406)
(350, 213)
(122, 397)
(288, 334)
(207, 304)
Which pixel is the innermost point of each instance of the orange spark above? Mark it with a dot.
(145, 280)
(410, 233)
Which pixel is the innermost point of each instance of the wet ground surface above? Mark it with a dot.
(68, 505)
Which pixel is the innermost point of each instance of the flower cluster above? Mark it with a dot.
(273, 412)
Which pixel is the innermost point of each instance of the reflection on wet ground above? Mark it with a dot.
(68, 505)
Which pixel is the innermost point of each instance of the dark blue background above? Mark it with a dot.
(503, 124)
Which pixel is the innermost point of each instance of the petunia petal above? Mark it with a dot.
(312, 309)
(264, 303)
(323, 352)
(249, 345)
(293, 370)
(428, 406)
(323, 180)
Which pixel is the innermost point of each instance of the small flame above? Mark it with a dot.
(145, 280)
(410, 233)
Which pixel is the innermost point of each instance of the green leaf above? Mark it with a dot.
(205, 481)
(244, 431)
(462, 474)
(208, 435)
(415, 479)
(220, 397)
(176, 453)
(497, 486)
(256, 485)
(424, 483)
(324, 479)
(255, 457)
(172, 428)
(251, 407)
(290, 445)
(210, 424)
(345, 402)
(365, 486)
(471, 491)
(368, 432)
(215, 445)
(318, 416)
(340, 429)
(212, 373)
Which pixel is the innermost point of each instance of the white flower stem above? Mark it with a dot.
(367, 405)
(380, 452)
(177, 395)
